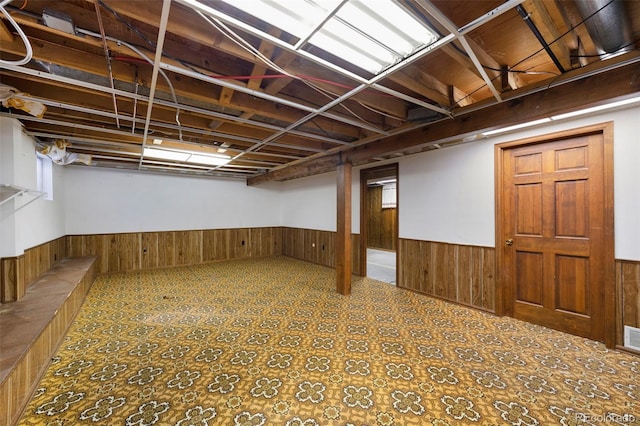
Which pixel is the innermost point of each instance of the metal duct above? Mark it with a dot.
(609, 26)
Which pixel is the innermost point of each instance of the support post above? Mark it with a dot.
(343, 237)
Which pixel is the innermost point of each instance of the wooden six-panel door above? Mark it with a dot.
(554, 228)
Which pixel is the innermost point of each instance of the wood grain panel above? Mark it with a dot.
(529, 277)
(127, 251)
(572, 289)
(239, 243)
(462, 274)
(20, 378)
(528, 163)
(572, 208)
(382, 229)
(628, 286)
(19, 272)
(488, 274)
(327, 249)
(259, 242)
(90, 245)
(13, 283)
(442, 263)
(355, 254)
(215, 244)
(412, 267)
(317, 246)
(149, 247)
(188, 246)
(147, 250)
(529, 213)
(464, 277)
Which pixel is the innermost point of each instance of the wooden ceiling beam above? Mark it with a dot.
(413, 78)
(5, 34)
(597, 88)
(102, 102)
(190, 88)
(586, 45)
(181, 25)
(540, 13)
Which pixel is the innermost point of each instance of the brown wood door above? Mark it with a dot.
(554, 227)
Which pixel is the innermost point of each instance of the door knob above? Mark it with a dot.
(509, 241)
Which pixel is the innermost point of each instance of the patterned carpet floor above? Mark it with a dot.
(269, 341)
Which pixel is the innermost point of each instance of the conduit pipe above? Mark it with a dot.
(601, 17)
(132, 119)
(209, 11)
(162, 30)
(27, 45)
(108, 59)
(443, 20)
(534, 29)
(90, 141)
(195, 5)
(141, 98)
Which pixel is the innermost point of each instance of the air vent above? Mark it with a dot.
(632, 337)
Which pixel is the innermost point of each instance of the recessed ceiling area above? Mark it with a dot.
(275, 89)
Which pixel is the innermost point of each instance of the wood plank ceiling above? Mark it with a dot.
(221, 81)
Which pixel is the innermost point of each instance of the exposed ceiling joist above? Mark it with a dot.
(280, 107)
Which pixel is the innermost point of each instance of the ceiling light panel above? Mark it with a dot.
(187, 157)
(371, 34)
(166, 154)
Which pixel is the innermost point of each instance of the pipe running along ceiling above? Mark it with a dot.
(204, 87)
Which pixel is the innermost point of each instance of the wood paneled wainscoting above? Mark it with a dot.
(628, 301)
(382, 227)
(19, 271)
(149, 250)
(317, 246)
(459, 273)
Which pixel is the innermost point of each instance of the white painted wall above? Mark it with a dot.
(311, 202)
(111, 201)
(44, 220)
(448, 195)
(39, 221)
(445, 195)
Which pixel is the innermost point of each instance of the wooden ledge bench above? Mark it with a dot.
(32, 328)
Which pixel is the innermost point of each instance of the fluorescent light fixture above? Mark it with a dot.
(597, 108)
(585, 111)
(187, 157)
(166, 154)
(516, 127)
(210, 160)
(369, 34)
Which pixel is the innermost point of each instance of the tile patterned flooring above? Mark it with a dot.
(269, 341)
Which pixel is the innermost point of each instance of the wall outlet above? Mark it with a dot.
(313, 244)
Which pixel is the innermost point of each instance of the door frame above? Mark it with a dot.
(366, 174)
(503, 294)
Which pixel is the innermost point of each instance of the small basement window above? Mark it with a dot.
(44, 170)
(389, 197)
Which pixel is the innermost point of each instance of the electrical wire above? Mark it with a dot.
(224, 29)
(599, 55)
(148, 60)
(235, 38)
(29, 50)
(573, 27)
(108, 58)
